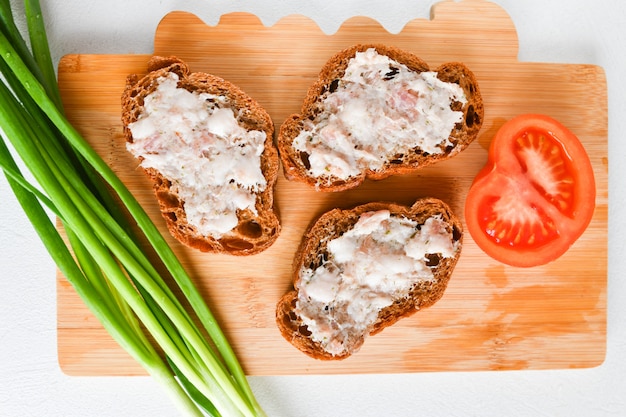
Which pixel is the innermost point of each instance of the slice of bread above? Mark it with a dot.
(411, 137)
(345, 286)
(255, 223)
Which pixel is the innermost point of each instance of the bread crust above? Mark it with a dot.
(333, 224)
(295, 164)
(254, 232)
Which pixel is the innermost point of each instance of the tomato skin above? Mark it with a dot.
(536, 194)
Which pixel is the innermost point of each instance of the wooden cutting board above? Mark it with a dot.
(492, 317)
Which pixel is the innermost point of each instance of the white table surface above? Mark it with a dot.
(31, 383)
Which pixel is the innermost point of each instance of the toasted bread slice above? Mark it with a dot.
(360, 270)
(377, 111)
(197, 134)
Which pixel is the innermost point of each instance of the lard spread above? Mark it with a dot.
(378, 110)
(196, 142)
(368, 267)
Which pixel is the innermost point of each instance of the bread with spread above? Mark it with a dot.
(360, 270)
(377, 111)
(208, 149)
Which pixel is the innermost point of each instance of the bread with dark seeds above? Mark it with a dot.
(313, 252)
(254, 232)
(296, 164)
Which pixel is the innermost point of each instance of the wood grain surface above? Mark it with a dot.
(492, 317)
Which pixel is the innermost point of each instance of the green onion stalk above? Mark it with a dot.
(109, 240)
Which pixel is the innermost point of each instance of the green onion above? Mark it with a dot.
(105, 254)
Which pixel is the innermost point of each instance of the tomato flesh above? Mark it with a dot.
(548, 167)
(516, 225)
(535, 196)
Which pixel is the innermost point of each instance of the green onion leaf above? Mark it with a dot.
(108, 261)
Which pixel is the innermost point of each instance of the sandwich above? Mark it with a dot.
(208, 149)
(360, 270)
(377, 111)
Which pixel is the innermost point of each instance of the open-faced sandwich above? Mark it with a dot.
(208, 148)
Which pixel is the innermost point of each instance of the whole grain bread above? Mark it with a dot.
(296, 163)
(254, 232)
(313, 252)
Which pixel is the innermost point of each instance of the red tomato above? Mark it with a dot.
(536, 194)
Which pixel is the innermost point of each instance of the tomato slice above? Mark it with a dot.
(536, 194)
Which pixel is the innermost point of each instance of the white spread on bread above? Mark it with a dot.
(378, 110)
(195, 141)
(368, 267)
